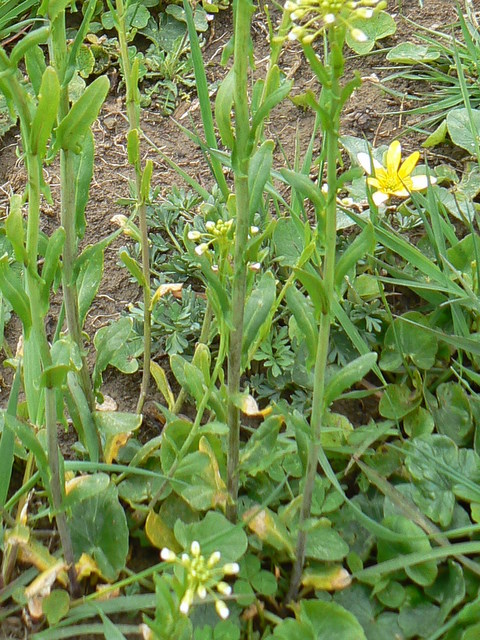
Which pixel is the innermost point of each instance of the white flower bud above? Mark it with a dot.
(210, 225)
(214, 559)
(167, 555)
(231, 568)
(194, 235)
(201, 248)
(224, 588)
(222, 609)
(195, 549)
(358, 35)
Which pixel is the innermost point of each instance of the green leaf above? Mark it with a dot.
(380, 25)
(15, 230)
(88, 281)
(161, 380)
(416, 540)
(432, 492)
(410, 53)
(56, 605)
(214, 533)
(453, 415)
(256, 454)
(133, 266)
(257, 310)
(33, 38)
(289, 242)
(75, 125)
(326, 544)
(329, 620)
(407, 340)
(84, 174)
(363, 244)
(82, 417)
(418, 616)
(51, 262)
(302, 311)
(267, 525)
(108, 341)
(305, 187)
(347, 376)
(258, 174)
(45, 113)
(436, 137)
(462, 131)
(98, 527)
(12, 288)
(223, 110)
(397, 401)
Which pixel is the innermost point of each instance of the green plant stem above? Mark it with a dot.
(39, 337)
(133, 116)
(242, 19)
(58, 51)
(318, 405)
(55, 486)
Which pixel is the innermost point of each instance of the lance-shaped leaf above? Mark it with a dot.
(46, 112)
(14, 228)
(75, 125)
(258, 174)
(363, 244)
(223, 110)
(347, 376)
(257, 310)
(12, 288)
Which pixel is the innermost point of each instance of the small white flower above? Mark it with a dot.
(194, 235)
(210, 225)
(195, 549)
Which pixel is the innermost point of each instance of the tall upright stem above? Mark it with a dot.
(242, 19)
(331, 141)
(133, 116)
(38, 339)
(67, 211)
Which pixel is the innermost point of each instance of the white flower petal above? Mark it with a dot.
(379, 198)
(365, 162)
(421, 182)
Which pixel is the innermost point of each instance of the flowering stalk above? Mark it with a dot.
(242, 19)
(41, 402)
(130, 77)
(58, 54)
(312, 18)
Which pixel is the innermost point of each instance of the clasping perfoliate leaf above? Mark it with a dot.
(76, 124)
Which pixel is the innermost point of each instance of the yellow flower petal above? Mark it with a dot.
(394, 156)
(408, 165)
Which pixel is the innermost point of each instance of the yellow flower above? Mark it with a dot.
(396, 178)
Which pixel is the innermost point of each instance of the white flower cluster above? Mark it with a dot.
(311, 17)
(203, 575)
